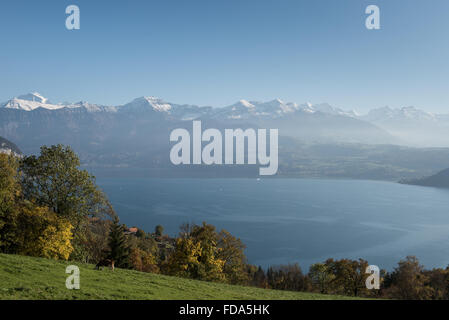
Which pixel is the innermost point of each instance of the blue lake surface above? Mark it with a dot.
(297, 220)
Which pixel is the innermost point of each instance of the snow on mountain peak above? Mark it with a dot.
(243, 109)
(29, 102)
(33, 96)
(34, 100)
(158, 104)
(147, 103)
(325, 108)
(387, 113)
(415, 113)
(245, 103)
(276, 102)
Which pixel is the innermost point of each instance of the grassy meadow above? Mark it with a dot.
(38, 278)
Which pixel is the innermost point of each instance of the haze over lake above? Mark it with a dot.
(297, 220)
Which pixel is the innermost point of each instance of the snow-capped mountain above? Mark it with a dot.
(242, 109)
(162, 108)
(146, 104)
(136, 134)
(34, 96)
(274, 109)
(327, 108)
(312, 122)
(33, 101)
(32, 120)
(91, 107)
(413, 126)
(400, 114)
(29, 102)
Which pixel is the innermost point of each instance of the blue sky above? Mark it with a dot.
(216, 52)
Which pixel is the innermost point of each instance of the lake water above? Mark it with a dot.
(297, 220)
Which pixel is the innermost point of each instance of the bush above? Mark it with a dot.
(43, 233)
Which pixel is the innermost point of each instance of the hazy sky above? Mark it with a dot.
(215, 52)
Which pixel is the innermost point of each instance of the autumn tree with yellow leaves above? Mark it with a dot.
(26, 228)
(44, 234)
(202, 253)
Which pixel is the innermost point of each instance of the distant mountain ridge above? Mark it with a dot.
(438, 180)
(413, 126)
(314, 140)
(320, 122)
(387, 113)
(408, 126)
(276, 107)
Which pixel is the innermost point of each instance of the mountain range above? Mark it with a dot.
(22, 119)
(312, 122)
(412, 126)
(276, 108)
(394, 121)
(136, 134)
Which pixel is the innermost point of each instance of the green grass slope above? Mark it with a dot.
(37, 278)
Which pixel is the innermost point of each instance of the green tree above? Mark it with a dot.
(349, 275)
(258, 277)
(54, 180)
(408, 281)
(144, 253)
(184, 261)
(9, 197)
(26, 228)
(321, 276)
(196, 254)
(159, 230)
(438, 280)
(96, 240)
(286, 277)
(211, 266)
(231, 251)
(119, 250)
